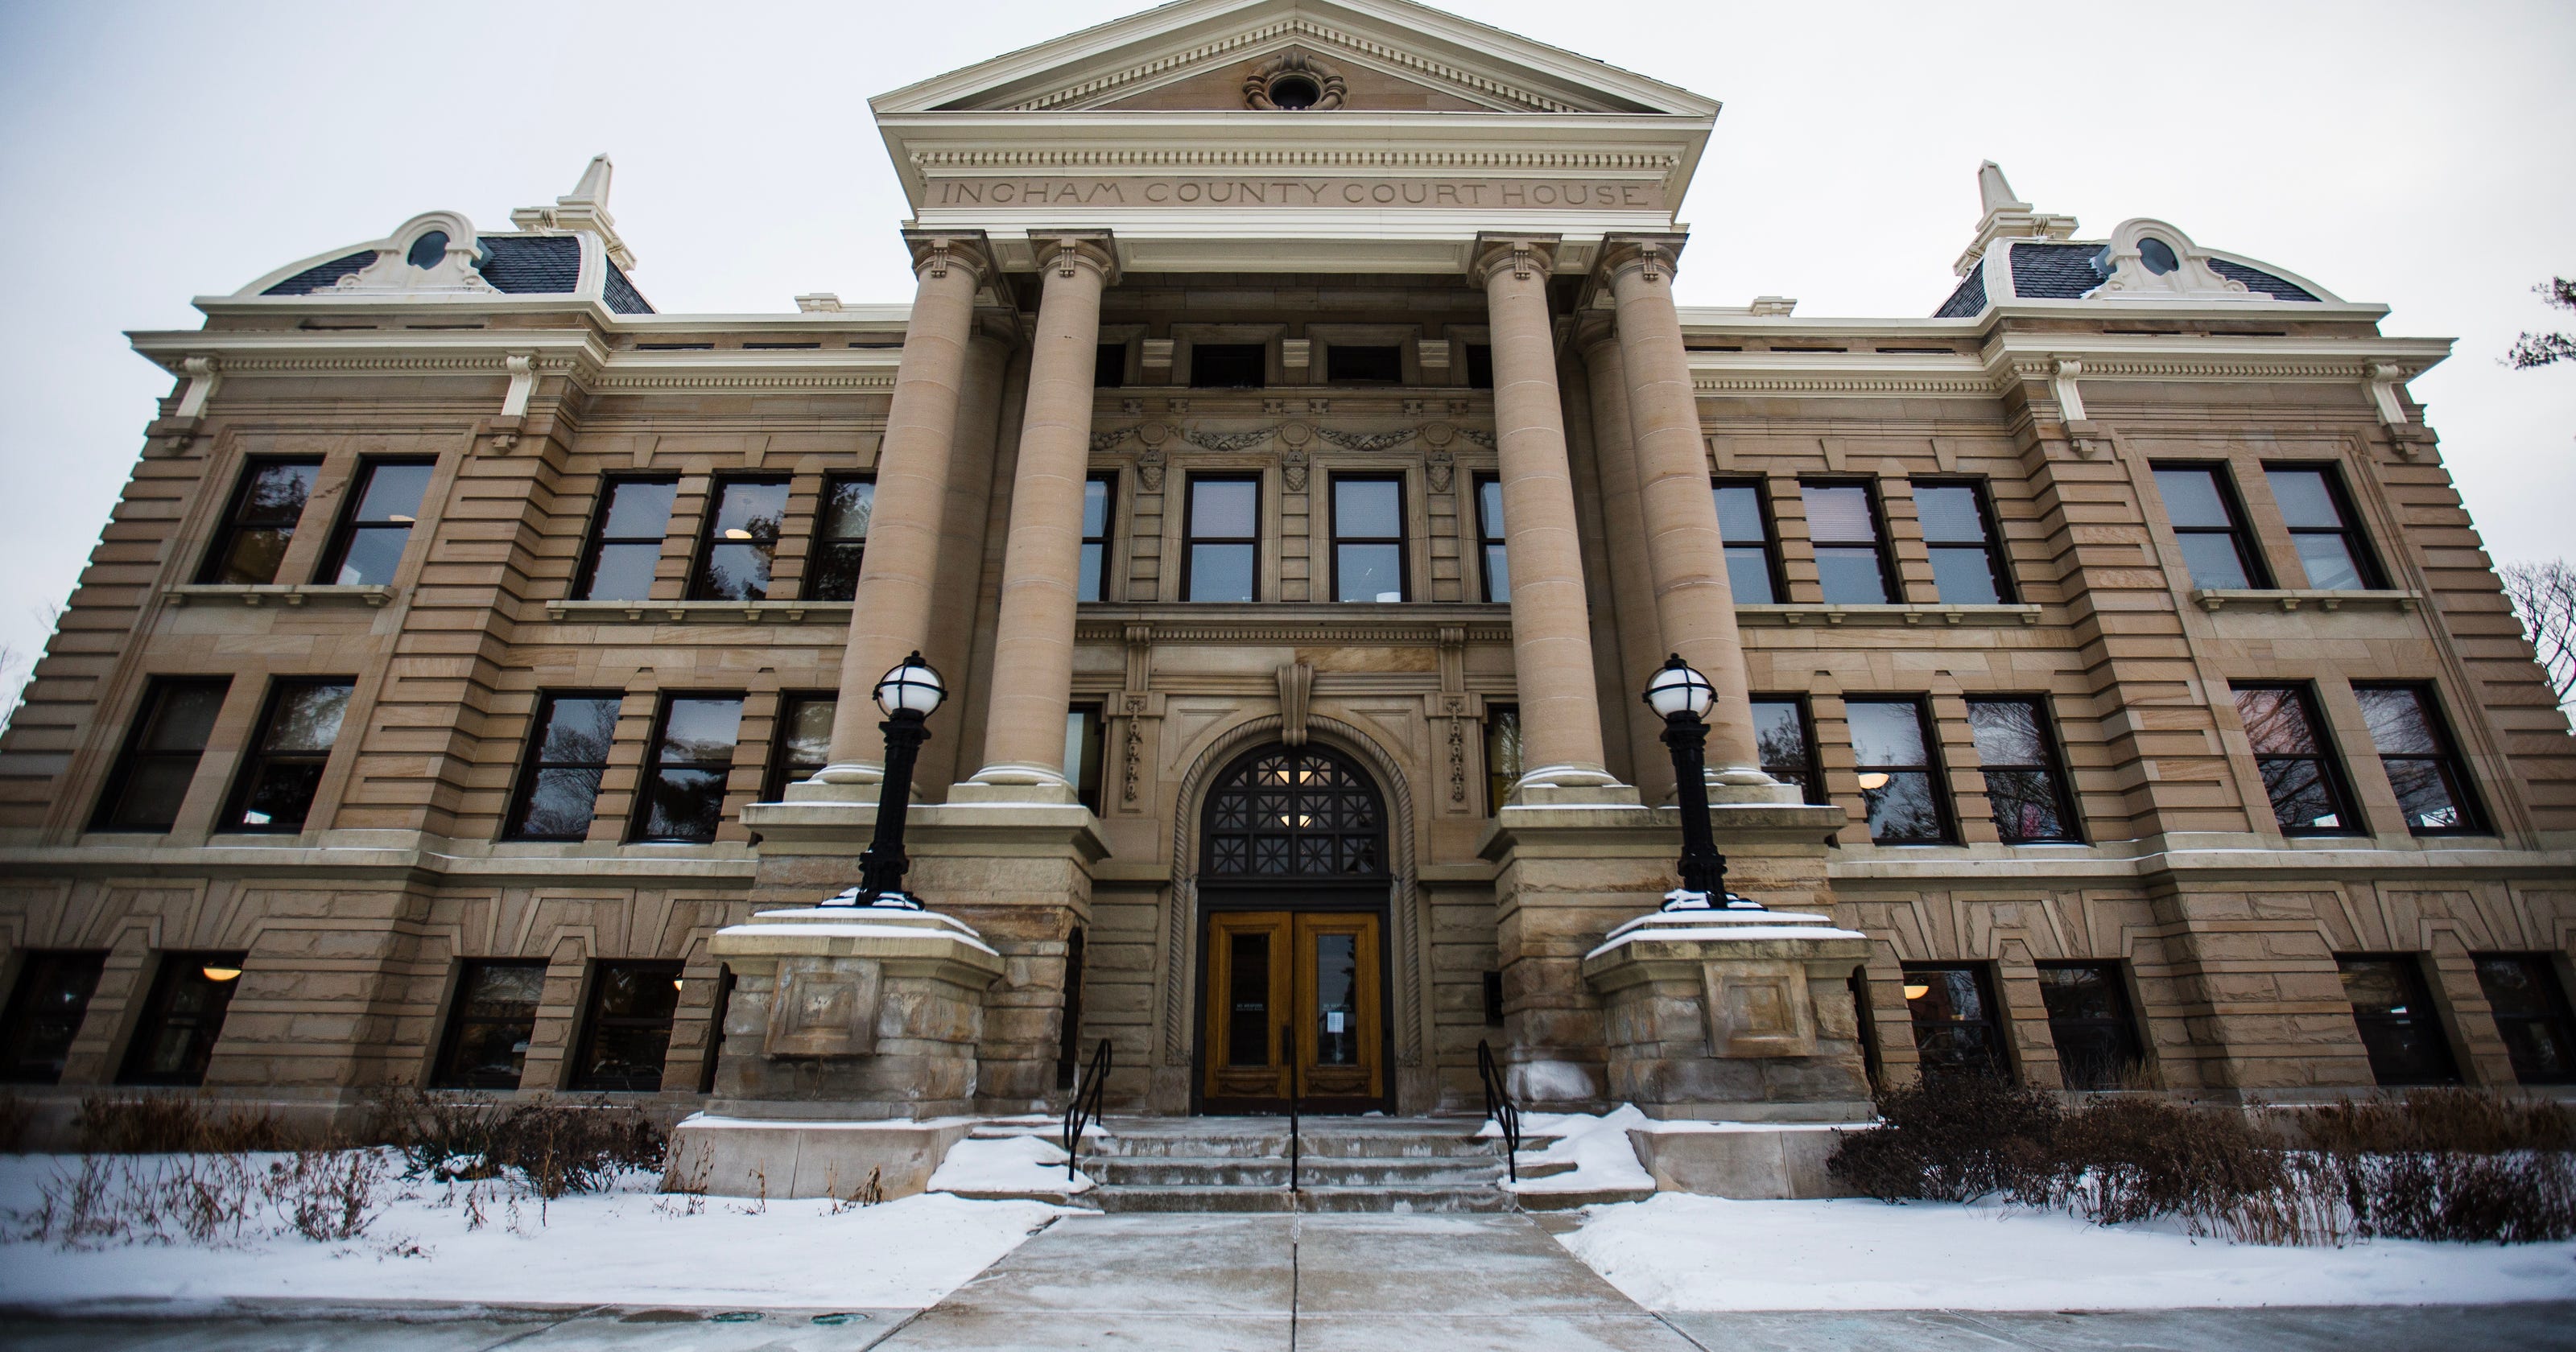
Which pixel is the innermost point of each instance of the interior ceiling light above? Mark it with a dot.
(1917, 992)
(217, 972)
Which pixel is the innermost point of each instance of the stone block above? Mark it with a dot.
(726, 1157)
(1742, 1161)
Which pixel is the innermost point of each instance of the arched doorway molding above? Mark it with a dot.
(1404, 898)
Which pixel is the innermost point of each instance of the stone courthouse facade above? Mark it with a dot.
(1293, 457)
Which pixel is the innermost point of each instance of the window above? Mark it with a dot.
(2210, 527)
(2088, 1018)
(741, 540)
(275, 791)
(490, 1025)
(1744, 523)
(1368, 539)
(1967, 566)
(804, 742)
(840, 540)
(1098, 492)
(2432, 785)
(626, 544)
(1891, 751)
(1490, 555)
(2398, 1025)
(626, 1031)
(1224, 531)
(151, 777)
(2307, 794)
(182, 1019)
(567, 753)
(684, 778)
(45, 1012)
(1955, 1029)
(1229, 366)
(716, 1031)
(382, 511)
(260, 521)
(1082, 753)
(2023, 781)
(1480, 366)
(1363, 365)
(1109, 366)
(2531, 1013)
(2157, 255)
(1502, 754)
(2319, 516)
(1851, 566)
(1780, 736)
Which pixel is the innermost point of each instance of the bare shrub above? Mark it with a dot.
(2132, 1159)
(554, 1146)
(171, 1124)
(16, 1116)
(219, 1199)
(1952, 1138)
(2475, 1121)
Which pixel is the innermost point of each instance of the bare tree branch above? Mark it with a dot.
(2542, 349)
(2544, 599)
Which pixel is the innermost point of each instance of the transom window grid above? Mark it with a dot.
(1493, 561)
(1502, 754)
(2424, 766)
(2531, 1014)
(1369, 539)
(182, 1019)
(384, 505)
(1295, 812)
(626, 539)
(1099, 494)
(1229, 366)
(840, 538)
(569, 742)
(2323, 528)
(2297, 764)
(1899, 774)
(2090, 1021)
(803, 743)
(2393, 1007)
(686, 770)
(1968, 567)
(1785, 738)
(1752, 545)
(490, 1024)
(2209, 525)
(2025, 777)
(259, 521)
(1850, 542)
(150, 780)
(283, 772)
(45, 1012)
(1084, 751)
(626, 1027)
(1958, 1027)
(738, 546)
(1222, 533)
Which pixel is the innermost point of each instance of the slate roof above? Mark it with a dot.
(622, 296)
(322, 276)
(518, 265)
(2053, 271)
(2256, 279)
(1969, 300)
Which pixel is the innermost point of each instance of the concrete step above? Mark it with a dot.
(1413, 1200)
(1165, 1171)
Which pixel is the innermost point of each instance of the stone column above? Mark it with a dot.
(1641, 640)
(899, 576)
(1033, 641)
(1694, 603)
(1551, 627)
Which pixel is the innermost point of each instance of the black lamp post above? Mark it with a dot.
(909, 694)
(1683, 697)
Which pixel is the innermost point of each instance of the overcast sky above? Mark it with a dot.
(2416, 155)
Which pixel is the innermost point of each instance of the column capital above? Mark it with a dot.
(1527, 255)
(936, 251)
(1590, 329)
(1065, 250)
(1655, 253)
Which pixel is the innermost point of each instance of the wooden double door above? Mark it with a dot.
(1293, 1002)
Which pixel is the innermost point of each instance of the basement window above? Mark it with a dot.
(627, 1031)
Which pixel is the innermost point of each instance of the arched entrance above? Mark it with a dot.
(1292, 889)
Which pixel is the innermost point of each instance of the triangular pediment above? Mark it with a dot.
(1381, 56)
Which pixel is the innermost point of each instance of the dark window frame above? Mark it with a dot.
(1772, 571)
(1378, 352)
(19, 1021)
(2356, 541)
(640, 818)
(1260, 365)
(2410, 966)
(344, 535)
(443, 1073)
(2122, 1022)
(1087, 769)
(597, 538)
(2556, 1014)
(825, 546)
(210, 569)
(2446, 760)
(1890, 581)
(256, 758)
(1938, 775)
(2329, 758)
(1812, 772)
(577, 1074)
(702, 557)
(1108, 480)
(175, 967)
(1993, 1019)
(1109, 365)
(132, 752)
(1473, 357)
(2239, 528)
(1998, 564)
(1498, 713)
(1492, 545)
(780, 771)
(1402, 539)
(531, 764)
(1190, 538)
(2061, 781)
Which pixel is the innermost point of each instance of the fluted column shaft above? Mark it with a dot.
(1033, 635)
(1694, 603)
(1632, 585)
(898, 576)
(1551, 628)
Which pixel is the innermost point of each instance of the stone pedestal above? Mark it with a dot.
(1734, 1015)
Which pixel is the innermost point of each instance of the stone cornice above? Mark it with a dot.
(1418, 624)
(2009, 360)
(1060, 159)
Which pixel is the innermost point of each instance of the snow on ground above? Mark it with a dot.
(1682, 1252)
(625, 1247)
(1604, 1159)
(1007, 1164)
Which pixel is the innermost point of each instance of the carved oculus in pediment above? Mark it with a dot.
(1294, 82)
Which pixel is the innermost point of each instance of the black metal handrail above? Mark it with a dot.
(1085, 1108)
(1499, 1106)
(1296, 1099)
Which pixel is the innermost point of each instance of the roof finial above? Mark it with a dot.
(1993, 192)
(592, 191)
(2006, 217)
(584, 208)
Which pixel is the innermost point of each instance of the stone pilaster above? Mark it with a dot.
(1632, 587)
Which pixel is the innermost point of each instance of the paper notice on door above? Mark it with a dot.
(1333, 1020)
